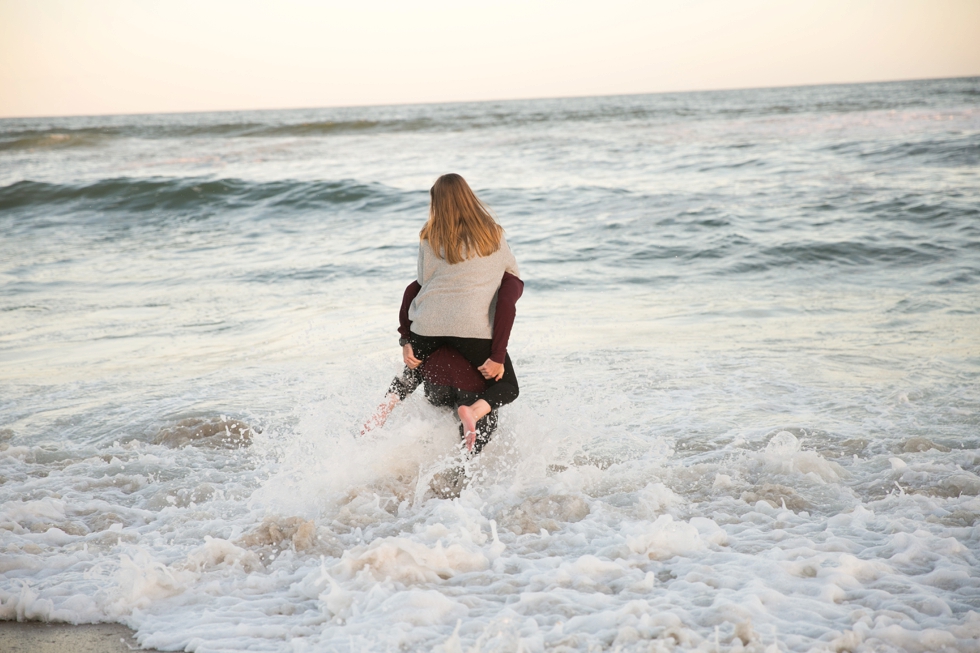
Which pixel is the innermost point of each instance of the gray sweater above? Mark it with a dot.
(459, 300)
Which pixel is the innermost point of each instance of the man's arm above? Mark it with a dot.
(511, 289)
(405, 324)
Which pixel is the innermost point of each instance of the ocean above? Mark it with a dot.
(748, 349)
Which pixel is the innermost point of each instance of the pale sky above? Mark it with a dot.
(70, 57)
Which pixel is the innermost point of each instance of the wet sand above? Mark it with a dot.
(37, 637)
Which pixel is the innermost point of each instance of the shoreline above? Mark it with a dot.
(45, 637)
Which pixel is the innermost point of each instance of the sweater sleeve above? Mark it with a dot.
(511, 289)
(405, 324)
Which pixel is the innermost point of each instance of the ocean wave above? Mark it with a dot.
(736, 254)
(955, 153)
(52, 138)
(32, 139)
(327, 127)
(840, 254)
(177, 195)
(951, 214)
(648, 109)
(33, 134)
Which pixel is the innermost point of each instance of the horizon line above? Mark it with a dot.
(512, 99)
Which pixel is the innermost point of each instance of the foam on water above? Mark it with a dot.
(314, 540)
(748, 354)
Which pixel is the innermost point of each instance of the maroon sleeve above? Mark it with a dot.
(511, 289)
(405, 324)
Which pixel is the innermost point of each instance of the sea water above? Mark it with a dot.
(748, 350)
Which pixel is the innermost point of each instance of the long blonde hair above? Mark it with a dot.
(459, 225)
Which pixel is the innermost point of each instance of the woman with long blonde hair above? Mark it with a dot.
(464, 297)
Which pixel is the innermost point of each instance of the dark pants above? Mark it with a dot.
(444, 395)
(476, 351)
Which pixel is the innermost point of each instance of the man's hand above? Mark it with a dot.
(409, 357)
(492, 370)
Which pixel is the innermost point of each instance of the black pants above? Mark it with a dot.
(448, 396)
(476, 351)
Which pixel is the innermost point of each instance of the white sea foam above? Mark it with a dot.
(634, 554)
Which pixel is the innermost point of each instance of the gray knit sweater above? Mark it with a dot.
(459, 300)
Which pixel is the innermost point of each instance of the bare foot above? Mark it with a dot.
(469, 425)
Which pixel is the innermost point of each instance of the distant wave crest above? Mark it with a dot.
(50, 139)
(192, 195)
(26, 134)
(33, 139)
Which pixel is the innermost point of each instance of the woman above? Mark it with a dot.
(449, 379)
(463, 258)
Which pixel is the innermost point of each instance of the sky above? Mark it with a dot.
(65, 57)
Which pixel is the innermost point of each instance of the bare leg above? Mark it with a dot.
(377, 420)
(470, 415)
